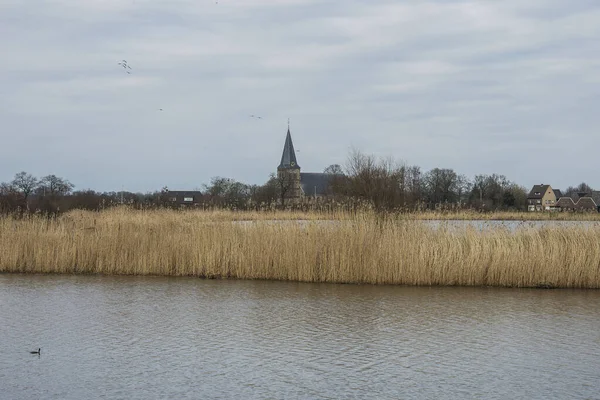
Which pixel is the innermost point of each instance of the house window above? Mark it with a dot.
(537, 193)
(539, 201)
(173, 199)
(188, 199)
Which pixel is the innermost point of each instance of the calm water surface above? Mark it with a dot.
(184, 338)
(452, 224)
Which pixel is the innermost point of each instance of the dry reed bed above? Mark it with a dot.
(363, 249)
(340, 213)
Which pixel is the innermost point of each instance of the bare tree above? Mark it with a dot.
(226, 191)
(266, 194)
(380, 182)
(574, 192)
(441, 186)
(414, 186)
(25, 184)
(9, 197)
(463, 187)
(52, 185)
(334, 169)
(337, 180)
(488, 190)
(285, 185)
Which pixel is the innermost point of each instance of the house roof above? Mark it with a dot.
(565, 202)
(312, 182)
(184, 193)
(586, 203)
(557, 193)
(541, 189)
(596, 196)
(288, 157)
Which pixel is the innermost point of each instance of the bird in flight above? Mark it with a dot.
(256, 116)
(123, 63)
(160, 109)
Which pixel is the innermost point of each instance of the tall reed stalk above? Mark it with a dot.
(358, 248)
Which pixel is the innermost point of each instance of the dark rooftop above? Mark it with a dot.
(537, 192)
(288, 158)
(314, 183)
(557, 193)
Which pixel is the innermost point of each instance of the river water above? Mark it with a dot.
(108, 337)
(453, 224)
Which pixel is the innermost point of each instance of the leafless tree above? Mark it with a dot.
(25, 184)
(414, 186)
(573, 192)
(285, 185)
(378, 181)
(441, 186)
(9, 198)
(463, 186)
(267, 194)
(334, 169)
(488, 190)
(52, 185)
(228, 192)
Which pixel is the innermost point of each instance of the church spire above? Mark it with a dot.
(288, 158)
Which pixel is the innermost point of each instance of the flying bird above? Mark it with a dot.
(36, 352)
(123, 63)
(256, 116)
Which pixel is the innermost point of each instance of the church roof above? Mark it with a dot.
(288, 158)
(314, 183)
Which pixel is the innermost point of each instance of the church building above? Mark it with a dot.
(299, 186)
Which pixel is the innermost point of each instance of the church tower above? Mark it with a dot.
(288, 173)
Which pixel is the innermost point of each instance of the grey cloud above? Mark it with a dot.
(474, 86)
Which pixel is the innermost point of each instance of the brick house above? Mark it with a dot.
(541, 198)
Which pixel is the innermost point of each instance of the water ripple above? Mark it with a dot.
(140, 338)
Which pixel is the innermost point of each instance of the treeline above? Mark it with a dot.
(364, 180)
(51, 195)
(388, 184)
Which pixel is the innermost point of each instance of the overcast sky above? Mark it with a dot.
(509, 87)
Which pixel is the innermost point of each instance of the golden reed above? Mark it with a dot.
(348, 248)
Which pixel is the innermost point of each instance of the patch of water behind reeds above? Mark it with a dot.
(357, 248)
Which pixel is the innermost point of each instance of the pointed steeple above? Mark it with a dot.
(288, 158)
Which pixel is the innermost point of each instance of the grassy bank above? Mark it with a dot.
(359, 249)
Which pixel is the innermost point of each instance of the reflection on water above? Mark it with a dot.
(180, 338)
(510, 225)
(451, 224)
